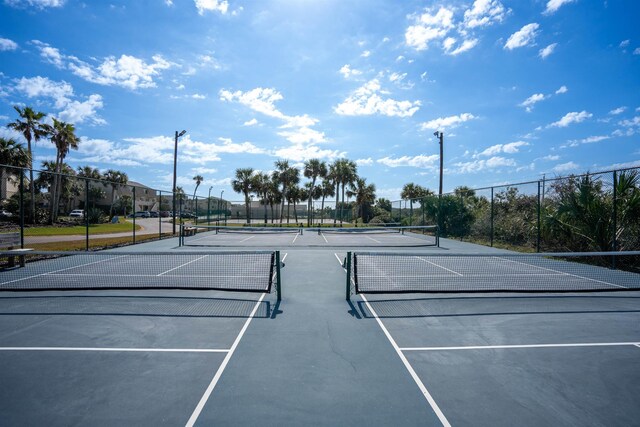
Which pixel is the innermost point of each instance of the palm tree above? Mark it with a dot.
(115, 179)
(413, 191)
(333, 177)
(63, 136)
(326, 190)
(243, 184)
(344, 172)
(287, 176)
(365, 195)
(313, 168)
(274, 196)
(89, 172)
(294, 195)
(12, 153)
(262, 186)
(198, 179)
(32, 129)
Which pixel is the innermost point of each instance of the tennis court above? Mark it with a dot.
(415, 343)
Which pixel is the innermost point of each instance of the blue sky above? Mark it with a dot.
(519, 88)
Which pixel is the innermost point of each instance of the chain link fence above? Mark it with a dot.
(579, 213)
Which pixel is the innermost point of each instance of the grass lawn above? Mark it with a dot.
(79, 245)
(81, 229)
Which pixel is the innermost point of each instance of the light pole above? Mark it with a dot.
(175, 166)
(209, 206)
(219, 204)
(440, 137)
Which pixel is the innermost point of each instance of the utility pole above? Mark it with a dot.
(440, 137)
(175, 166)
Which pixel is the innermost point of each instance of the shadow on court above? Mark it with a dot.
(127, 305)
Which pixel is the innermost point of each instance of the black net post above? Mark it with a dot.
(278, 280)
(491, 226)
(133, 209)
(86, 213)
(615, 217)
(159, 214)
(539, 222)
(21, 208)
(348, 268)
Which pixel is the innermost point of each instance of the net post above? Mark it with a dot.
(86, 213)
(491, 215)
(21, 213)
(437, 236)
(278, 281)
(180, 235)
(348, 268)
(538, 214)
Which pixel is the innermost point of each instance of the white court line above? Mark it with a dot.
(152, 350)
(205, 397)
(429, 276)
(192, 276)
(62, 269)
(340, 261)
(493, 347)
(325, 239)
(439, 266)
(295, 237)
(244, 240)
(186, 263)
(371, 238)
(406, 363)
(566, 274)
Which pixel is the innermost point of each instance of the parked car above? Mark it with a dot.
(154, 214)
(187, 215)
(76, 213)
(165, 214)
(142, 214)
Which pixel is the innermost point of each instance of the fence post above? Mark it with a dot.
(133, 208)
(615, 211)
(160, 215)
(21, 213)
(538, 239)
(86, 213)
(491, 216)
(348, 268)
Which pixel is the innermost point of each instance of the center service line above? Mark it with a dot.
(223, 365)
(493, 347)
(406, 363)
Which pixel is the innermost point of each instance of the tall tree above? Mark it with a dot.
(287, 176)
(243, 184)
(327, 190)
(198, 179)
(63, 136)
(115, 179)
(12, 153)
(262, 186)
(345, 171)
(33, 130)
(413, 191)
(365, 195)
(314, 169)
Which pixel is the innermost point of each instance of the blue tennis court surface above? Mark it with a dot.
(136, 356)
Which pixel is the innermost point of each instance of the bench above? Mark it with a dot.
(9, 241)
(189, 231)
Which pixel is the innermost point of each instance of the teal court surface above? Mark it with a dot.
(331, 331)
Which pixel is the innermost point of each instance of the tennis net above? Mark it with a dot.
(427, 233)
(205, 235)
(398, 272)
(247, 271)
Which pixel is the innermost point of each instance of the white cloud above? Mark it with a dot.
(429, 27)
(79, 112)
(525, 36)
(636, 51)
(127, 71)
(364, 162)
(198, 96)
(544, 52)
(617, 111)
(565, 167)
(562, 89)
(484, 13)
(299, 153)
(569, 118)
(554, 5)
(38, 4)
(532, 100)
(251, 122)
(366, 54)
(347, 71)
(447, 122)
(366, 101)
(36, 87)
(588, 140)
(551, 157)
(480, 165)
(466, 45)
(624, 43)
(6, 44)
(419, 161)
(510, 148)
(212, 5)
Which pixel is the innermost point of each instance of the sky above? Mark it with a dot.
(520, 89)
